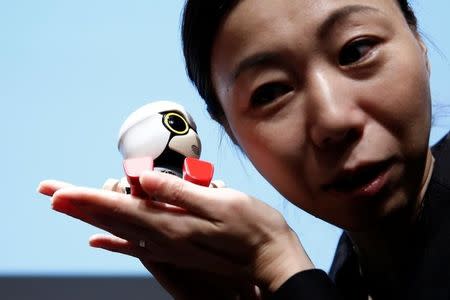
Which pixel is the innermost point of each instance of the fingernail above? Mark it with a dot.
(60, 206)
(41, 189)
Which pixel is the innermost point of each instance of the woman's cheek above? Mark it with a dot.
(398, 96)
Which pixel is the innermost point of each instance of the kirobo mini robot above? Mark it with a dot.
(162, 136)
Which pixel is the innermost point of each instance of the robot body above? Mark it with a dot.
(162, 136)
(162, 130)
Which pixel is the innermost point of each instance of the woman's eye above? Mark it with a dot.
(268, 93)
(355, 51)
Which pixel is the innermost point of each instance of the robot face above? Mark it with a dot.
(175, 123)
(183, 138)
(157, 128)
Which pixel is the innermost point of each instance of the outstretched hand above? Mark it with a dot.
(213, 231)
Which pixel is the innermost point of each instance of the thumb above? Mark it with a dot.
(176, 191)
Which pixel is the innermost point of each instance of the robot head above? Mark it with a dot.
(162, 130)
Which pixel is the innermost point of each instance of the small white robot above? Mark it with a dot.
(163, 137)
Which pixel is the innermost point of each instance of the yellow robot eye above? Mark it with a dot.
(176, 123)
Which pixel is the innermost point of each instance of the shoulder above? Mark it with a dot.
(441, 153)
(437, 197)
(344, 251)
(442, 148)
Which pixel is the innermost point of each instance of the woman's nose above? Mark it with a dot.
(334, 116)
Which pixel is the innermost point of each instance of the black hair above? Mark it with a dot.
(201, 21)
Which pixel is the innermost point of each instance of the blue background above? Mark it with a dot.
(71, 72)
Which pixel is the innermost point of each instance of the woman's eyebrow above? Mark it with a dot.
(257, 60)
(263, 59)
(340, 14)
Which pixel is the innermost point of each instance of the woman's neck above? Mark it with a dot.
(381, 252)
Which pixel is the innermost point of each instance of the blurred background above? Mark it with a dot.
(70, 73)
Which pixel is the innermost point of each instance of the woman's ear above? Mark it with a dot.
(425, 53)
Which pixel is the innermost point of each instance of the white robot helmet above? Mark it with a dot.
(162, 130)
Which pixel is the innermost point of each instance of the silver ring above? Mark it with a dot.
(142, 243)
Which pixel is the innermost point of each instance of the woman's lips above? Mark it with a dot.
(364, 181)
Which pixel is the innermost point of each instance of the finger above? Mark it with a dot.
(192, 257)
(175, 191)
(159, 249)
(103, 216)
(74, 212)
(114, 242)
(175, 253)
(116, 185)
(101, 208)
(133, 219)
(87, 197)
(155, 218)
(168, 276)
(111, 184)
(117, 244)
(151, 252)
(49, 187)
(217, 184)
(99, 240)
(172, 234)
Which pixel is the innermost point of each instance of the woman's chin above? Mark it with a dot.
(393, 211)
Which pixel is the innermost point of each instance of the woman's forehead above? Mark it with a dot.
(256, 24)
(249, 15)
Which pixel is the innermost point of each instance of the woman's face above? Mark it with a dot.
(330, 101)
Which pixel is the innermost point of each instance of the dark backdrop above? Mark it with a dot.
(80, 288)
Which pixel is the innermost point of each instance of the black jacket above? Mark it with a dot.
(427, 277)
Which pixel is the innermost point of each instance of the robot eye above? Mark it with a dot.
(176, 123)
